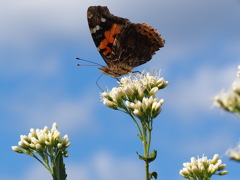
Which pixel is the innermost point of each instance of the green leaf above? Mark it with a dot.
(150, 158)
(153, 175)
(59, 172)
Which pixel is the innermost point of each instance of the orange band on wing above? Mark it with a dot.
(109, 38)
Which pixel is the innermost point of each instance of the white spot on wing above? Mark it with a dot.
(103, 19)
(90, 16)
(95, 29)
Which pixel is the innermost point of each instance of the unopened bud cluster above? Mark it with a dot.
(145, 107)
(137, 94)
(234, 154)
(43, 141)
(203, 168)
(230, 101)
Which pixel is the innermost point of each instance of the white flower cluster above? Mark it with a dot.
(145, 107)
(203, 168)
(137, 94)
(234, 154)
(230, 101)
(42, 141)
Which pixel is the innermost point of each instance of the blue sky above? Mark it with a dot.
(40, 84)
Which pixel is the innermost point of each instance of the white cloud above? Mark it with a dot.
(101, 166)
(70, 114)
(108, 167)
(194, 94)
(217, 142)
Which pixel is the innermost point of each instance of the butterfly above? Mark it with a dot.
(122, 44)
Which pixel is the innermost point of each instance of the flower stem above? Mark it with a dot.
(147, 170)
(146, 146)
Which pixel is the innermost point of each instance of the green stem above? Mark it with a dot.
(146, 146)
(147, 170)
(149, 140)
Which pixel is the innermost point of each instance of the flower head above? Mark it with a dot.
(234, 153)
(136, 93)
(47, 147)
(41, 140)
(203, 168)
(230, 101)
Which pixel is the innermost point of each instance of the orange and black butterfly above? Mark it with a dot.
(122, 44)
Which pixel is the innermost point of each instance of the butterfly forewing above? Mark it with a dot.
(122, 44)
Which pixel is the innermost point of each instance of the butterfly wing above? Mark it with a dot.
(123, 45)
(137, 44)
(104, 28)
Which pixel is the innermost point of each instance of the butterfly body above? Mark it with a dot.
(122, 44)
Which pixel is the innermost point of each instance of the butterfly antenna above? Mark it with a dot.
(94, 63)
(137, 72)
(97, 82)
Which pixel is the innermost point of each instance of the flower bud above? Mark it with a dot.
(17, 149)
(137, 113)
(215, 158)
(223, 173)
(153, 91)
